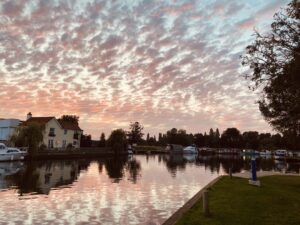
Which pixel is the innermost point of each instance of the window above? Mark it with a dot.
(64, 144)
(50, 144)
(66, 131)
(11, 151)
(52, 132)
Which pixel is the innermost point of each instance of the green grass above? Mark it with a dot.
(235, 202)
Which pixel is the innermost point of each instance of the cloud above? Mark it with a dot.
(163, 63)
(263, 13)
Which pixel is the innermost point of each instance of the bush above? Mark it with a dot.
(30, 136)
(43, 147)
(69, 147)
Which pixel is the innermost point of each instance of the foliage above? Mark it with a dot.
(135, 133)
(70, 118)
(42, 147)
(199, 140)
(31, 136)
(251, 139)
(86, 141)
(69, 147)
(231, 137)
(274, 60)
(180, 137)
(117, 141)
(234, 201)
(162, 139)
(102, 140)
(213, 139)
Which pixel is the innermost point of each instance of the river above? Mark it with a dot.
(135, 190)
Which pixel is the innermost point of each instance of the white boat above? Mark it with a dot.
(129, 150)
(265, 153)
(10, 154)
(280, 154)
(190, 150)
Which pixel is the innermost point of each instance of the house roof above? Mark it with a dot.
(38, 120)
(67, 125)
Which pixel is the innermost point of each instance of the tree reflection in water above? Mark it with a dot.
(118, 167)
(237, 164)
(115, 168)
(134, 168)
(39, 177)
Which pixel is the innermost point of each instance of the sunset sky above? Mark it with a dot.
(163, 63)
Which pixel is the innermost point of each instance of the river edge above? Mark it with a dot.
(190, 203)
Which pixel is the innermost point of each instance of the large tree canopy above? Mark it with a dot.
(274, 61)
(117, 141)
(70, 118)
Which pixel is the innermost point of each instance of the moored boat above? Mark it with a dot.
(280, 154)
(249, 152)
(190, 150)
(265, 153)
(10, 154)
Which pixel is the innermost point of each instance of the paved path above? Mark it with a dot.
(247, 174)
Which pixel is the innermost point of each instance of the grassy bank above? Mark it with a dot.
(234, 202)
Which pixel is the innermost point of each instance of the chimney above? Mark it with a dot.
(29, 115)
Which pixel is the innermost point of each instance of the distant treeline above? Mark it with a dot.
(230, 138)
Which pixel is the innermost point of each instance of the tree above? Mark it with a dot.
(274, 60)
(86, 141)
(102, 140)
(171, 136)
(213, 138)
(117, 141)
(217, 138)
(162, 139)
(70, 118)
(199, 139)
(231, 137)
(179, 137)
(135, 133)
(31, 136)
(251, 139)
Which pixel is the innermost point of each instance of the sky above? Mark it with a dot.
(162, 63)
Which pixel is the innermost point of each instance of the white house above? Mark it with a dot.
(7, 128)
(57, 134)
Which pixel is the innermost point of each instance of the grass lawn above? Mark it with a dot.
(234, 202)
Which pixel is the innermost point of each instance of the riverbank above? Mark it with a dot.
(144, 149)
(92, 153)
(234, 202)
(72, 154)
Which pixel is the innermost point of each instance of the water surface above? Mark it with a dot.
(137, 190)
